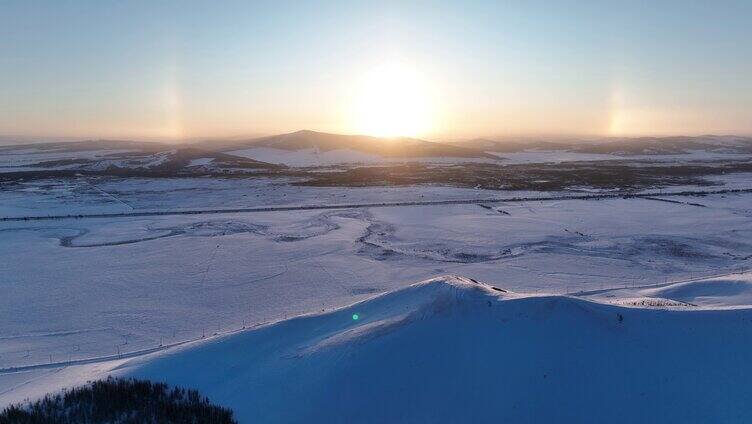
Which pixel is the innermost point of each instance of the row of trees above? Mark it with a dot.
(122, 401)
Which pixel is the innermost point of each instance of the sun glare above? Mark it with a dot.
(391, 101)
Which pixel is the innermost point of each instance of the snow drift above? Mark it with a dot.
(453, 350)
(723, 292)
(726, 291)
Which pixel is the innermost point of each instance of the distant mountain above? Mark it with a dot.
(399, 147)
(621, 146)
(121, 158)
(669, 145)
(172, 160)
(510, 146)
(85, 145)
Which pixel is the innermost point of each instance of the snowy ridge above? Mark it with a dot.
(451, 349)
(450, 341)
(149, 159)
(721, 292)
(310, 145)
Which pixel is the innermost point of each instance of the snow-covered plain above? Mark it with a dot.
(314, 157)
(78, 288)
(93, 195)
(86, 195)
(84, 298)
(559, 156)
(24, 159)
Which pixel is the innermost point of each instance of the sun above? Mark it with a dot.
(392, 101)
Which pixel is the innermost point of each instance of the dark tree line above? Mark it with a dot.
(122, 401)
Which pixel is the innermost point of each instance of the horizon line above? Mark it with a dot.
(10, 139)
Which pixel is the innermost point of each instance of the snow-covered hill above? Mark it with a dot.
(728, 291)
(524, 150)
(453, 350)
(121, 157)
(311, 148)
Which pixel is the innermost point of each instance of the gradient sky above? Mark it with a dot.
(173, 70)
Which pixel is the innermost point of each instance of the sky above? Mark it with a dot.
(440, 70)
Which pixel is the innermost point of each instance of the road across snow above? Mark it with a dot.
(563, 196)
